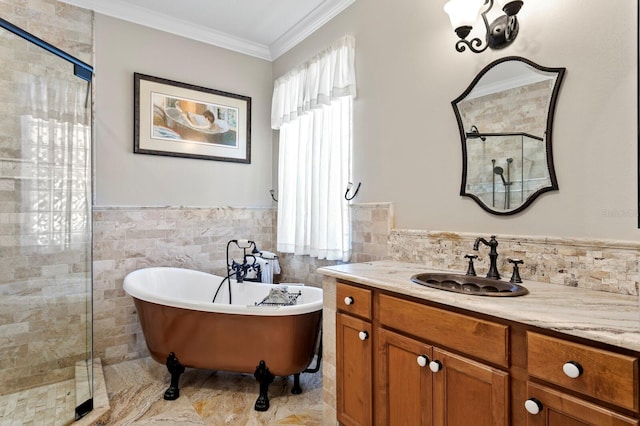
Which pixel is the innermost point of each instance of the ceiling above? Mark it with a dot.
(262, 28)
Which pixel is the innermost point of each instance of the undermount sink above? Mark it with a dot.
(468, 284)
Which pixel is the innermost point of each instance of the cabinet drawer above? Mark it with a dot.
(561, 409)
(604, 375)
(475, 337)
(354, 300)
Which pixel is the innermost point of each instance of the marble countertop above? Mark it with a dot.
(599, 316)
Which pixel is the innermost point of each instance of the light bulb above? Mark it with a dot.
(463, 12)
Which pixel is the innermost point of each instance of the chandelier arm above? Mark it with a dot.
(462, 45)
(487, 26)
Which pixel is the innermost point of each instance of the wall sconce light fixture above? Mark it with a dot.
(502, 31)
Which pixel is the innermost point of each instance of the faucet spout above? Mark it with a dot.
(493, 255)
(479, 240)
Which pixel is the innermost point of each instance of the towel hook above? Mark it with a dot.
(273, 197)
(349, 186)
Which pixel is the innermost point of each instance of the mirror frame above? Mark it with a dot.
(550, 114)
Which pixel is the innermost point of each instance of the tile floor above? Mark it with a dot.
(46, 405)
(135, 390)
(55, 404)
(207, 397)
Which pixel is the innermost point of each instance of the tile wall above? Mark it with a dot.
(126, 239)
(370, 225)
(44, 213)
(596, 264)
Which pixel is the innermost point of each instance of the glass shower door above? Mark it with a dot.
(45, 235)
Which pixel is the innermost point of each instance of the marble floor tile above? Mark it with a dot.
(207, 397)
(55, 404)
(45, 405)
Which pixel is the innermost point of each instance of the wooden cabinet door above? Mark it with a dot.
(403, 385)
(466, 392)
(560, 409)
(353, 370)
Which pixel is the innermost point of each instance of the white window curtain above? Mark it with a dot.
(312, 108)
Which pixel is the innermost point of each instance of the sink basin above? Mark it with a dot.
(466, 284)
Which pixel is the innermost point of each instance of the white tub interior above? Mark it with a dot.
(189, 289)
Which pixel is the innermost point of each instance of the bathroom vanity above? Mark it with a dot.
(407, 354)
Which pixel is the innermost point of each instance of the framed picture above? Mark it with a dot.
(183, 120)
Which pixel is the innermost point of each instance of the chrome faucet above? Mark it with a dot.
(493, 255)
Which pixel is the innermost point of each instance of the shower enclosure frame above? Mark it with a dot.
(85, 72)
(80, 69)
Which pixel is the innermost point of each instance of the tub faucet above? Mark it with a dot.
(493, 255)
(240, 270)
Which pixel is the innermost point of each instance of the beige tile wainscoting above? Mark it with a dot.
(130, 238)
(602, 265)
(126, 239)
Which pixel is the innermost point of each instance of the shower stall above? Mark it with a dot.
(505, 169)
(45, 232)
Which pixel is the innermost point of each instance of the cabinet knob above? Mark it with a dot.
(533, 406)
(572, 369)
(363, 335)
(435, 366)
(423, 360)
(348, 300)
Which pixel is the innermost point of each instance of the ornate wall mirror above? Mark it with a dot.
(505, 118)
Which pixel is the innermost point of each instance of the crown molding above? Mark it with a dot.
(303, 29)
(141, 16)
(145, 17)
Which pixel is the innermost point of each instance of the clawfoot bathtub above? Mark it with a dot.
(183, 328)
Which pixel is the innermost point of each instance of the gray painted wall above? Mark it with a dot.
(124, 178)
(407, 148)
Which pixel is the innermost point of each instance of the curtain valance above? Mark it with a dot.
(328, 75)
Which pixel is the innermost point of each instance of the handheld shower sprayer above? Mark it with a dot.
(497, 170)
(500, 171)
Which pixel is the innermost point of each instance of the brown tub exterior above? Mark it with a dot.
(229, 342)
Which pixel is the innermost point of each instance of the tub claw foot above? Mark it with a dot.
(175, 369)
(296, 389)
(264, 377)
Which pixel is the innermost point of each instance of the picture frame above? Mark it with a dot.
(183, 120)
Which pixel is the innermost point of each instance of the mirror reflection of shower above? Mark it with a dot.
(506, 182)
(507, 112)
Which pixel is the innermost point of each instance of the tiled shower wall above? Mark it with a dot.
(44, 271)
(126, 239)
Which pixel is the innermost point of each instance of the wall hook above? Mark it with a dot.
(273, 197)
(349, 186)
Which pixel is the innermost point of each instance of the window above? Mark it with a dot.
(312, 108)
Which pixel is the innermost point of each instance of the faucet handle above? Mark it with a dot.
(515, 277)
(470, 269)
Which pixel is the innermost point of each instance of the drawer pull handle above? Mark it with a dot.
(533, 406)
(435, 366)
(572, 369)
(363, 335)
(423, 360)
(348, 300)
